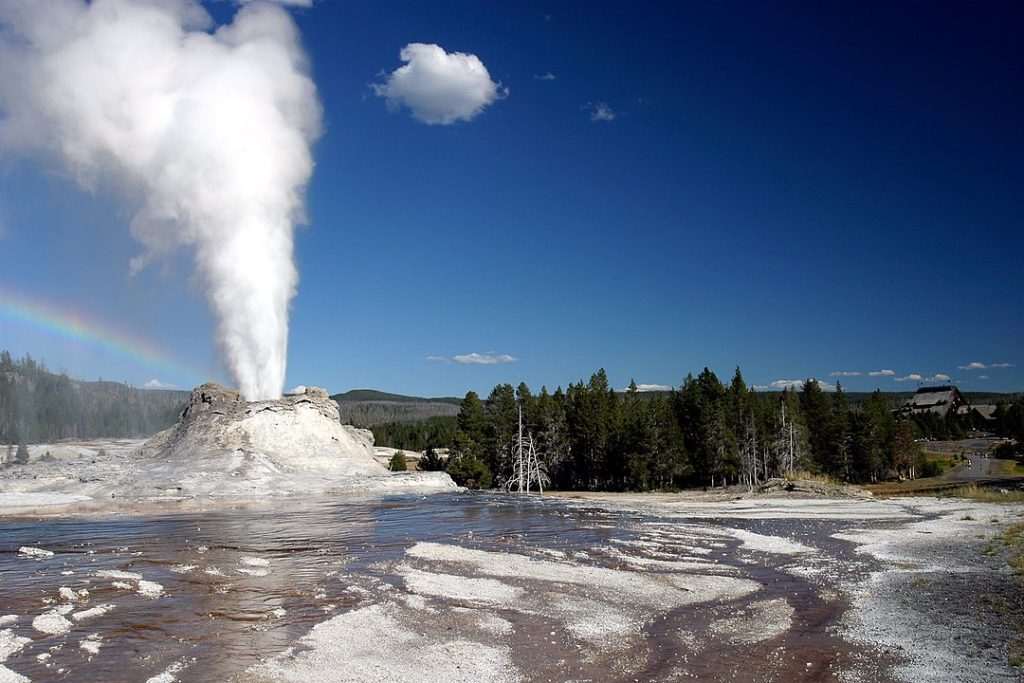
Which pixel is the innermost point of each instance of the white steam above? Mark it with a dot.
(207, 130)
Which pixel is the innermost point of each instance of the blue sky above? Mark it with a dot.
(798, 190)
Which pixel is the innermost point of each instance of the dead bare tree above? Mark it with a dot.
(527, 467)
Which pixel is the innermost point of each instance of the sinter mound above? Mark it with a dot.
(294, 433)
(222, 447)
(225, 446)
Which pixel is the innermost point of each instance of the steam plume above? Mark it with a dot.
(207, 130)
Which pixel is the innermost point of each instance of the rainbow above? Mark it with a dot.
(70, 326)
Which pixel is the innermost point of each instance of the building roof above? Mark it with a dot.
(937, 400)
(986, 410)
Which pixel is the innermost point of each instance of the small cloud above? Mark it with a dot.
(439, 87)
(780, 384)
(157, 385)
(290, 3)
(973, 365)
(301, 389)
(650, 387)
(599, 111)
(845, 373)
(1002, 365)
(882, 373)
(984, 377)
(489, 358)
(544, 77)
(915, 377)
(484, 359)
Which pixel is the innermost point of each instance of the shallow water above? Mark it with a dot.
(240, 585)
(228, 621)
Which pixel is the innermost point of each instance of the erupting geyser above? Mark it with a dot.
(206, 129)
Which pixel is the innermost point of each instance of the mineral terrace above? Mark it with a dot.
(221, 447)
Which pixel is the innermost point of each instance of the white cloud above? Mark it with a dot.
(599, 111)
(845, 373)
(651, 387)
(439, 87)
(291, 3)
(158, 385)
(301, 389)
(545, 76)
(780, 384)
(489, 358)
(882, 373)
(977, 365)
(915, 377)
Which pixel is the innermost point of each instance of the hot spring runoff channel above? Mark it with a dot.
(206, 596)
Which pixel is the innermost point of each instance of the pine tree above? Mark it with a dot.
(502, 416)
(817, 412)
(21, 457)
(839, 436)
(472, 421)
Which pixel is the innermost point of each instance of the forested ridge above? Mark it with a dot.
(37, 405)
(705, 433)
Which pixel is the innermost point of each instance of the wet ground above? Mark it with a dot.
(488, 587)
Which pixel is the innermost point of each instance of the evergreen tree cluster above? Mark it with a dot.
(432, 432)
(37, 405)
(705, 433)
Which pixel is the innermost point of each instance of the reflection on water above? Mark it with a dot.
(240, 584)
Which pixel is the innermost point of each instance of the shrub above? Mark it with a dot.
(398, 463)
(470, 472)
(431, 461)
(929, 468)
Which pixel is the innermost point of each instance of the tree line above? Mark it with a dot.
(706, 433)
(37, 405)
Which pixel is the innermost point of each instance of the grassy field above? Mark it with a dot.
(1008, 468)
(940, 488)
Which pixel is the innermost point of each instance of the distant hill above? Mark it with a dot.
(37, 405)
(364, 395)
(368, 408)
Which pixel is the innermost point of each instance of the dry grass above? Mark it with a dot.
(940, 489)
(1009, 468)
(981, 493)
(1013, 539)
(802, 475)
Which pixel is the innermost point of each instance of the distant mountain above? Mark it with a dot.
(363, 395)
(368, 408)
